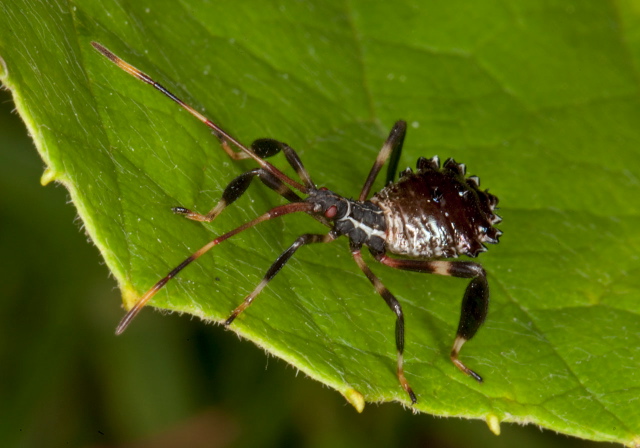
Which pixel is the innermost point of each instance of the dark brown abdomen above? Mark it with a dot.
(437, 213)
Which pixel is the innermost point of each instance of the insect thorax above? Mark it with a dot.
(362, 222)
(437, 212)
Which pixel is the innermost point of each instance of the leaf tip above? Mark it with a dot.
(129, 296)
(48, 176)
(494, 423)
(355, 398)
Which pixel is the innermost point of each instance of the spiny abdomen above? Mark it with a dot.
(437, 212)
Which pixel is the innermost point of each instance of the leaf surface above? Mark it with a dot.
(538, 99)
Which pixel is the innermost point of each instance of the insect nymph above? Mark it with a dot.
(429, 214)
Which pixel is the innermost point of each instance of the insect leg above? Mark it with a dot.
(302, 240)
(393, 303)
(475, 303)
(270, 146)
(225, 138)
(264, 147)
(235, 189)
(273, 213)
(392, 148)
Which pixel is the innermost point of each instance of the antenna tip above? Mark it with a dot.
(126, 320)
(106, 53)
(120, 328)
(98, 46)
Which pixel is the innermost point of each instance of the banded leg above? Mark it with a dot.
(259, 149)
(235, 189)
(475, 303)
(302, 240)
(225, 138)
(275, 212)
(224, 144)
(271, 146)
(392, 148)
(393, 303)
(264, 147)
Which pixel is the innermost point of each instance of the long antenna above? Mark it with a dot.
(220, 133)
(273, 213)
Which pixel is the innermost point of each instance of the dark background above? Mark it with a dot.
(67, 380)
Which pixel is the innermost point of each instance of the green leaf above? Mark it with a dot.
(539, 99)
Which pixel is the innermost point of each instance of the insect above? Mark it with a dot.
(430, 214)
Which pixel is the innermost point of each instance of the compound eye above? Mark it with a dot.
(331, 212)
